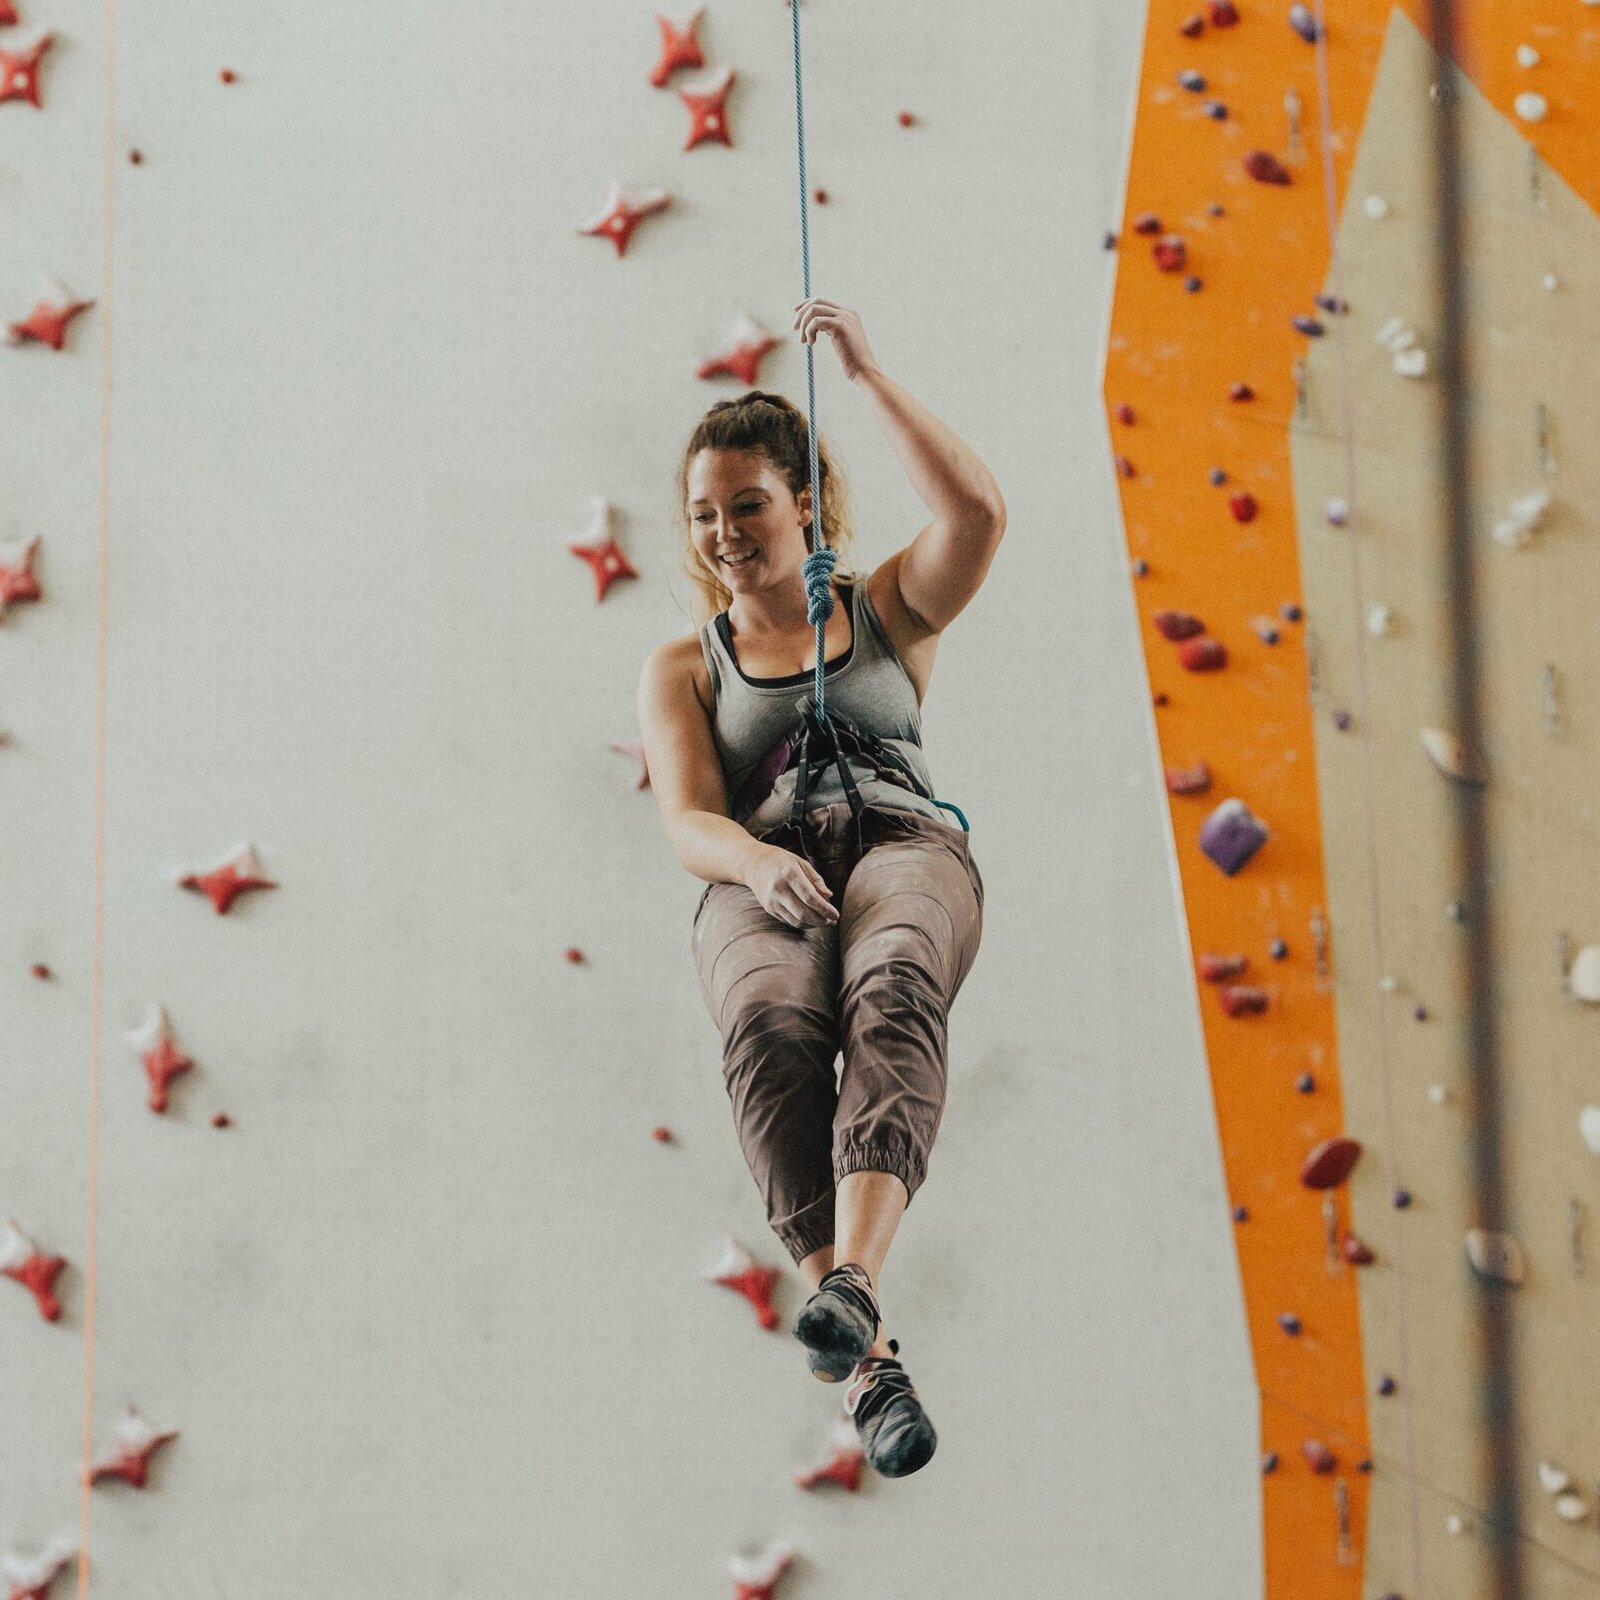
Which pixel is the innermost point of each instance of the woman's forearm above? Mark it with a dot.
(713, 847)
(944, 470)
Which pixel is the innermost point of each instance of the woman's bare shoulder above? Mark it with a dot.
(681, 663)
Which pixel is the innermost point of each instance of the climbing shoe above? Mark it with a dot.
(839, 1323)
(895, 1431)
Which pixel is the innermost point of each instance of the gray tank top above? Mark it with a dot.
(757, 718)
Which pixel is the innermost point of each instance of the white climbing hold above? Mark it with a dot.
(1530, 106)
(1388, 983)
(1552, 1479)
(1454, 1525)
(1411, 363)
(1527, 56)
(1515, 528)
(1551, 282)
(1376, 207)
(1584, 975)
(1378, 620)
(1495, 1255)
(1589, 1127)
(1572, 1506)
(1450, 756)
(33, 1575)
(1338, 511)
(1438, 1093)
(1395, 335)
(761, 1573)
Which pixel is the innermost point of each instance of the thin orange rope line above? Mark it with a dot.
(97, 930)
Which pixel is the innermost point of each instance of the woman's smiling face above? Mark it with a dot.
(747, 527)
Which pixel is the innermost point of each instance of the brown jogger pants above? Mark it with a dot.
(878, 985)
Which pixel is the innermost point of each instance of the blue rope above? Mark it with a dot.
(819, 564)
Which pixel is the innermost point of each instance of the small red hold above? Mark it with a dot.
(163, 1060)
(1193, 27)
(623, 212)
(137, 1441)
(23, 1261)
(1241, 391)
(1189, 780)
(708, 115)
(679, 47)
(741, 359)
(1159, 700)
(601, 551)
(224, 883)
(1265, 167)
(1125, 468)
(1356, 1252)
(17, 581)
(739, 1271)
(1330, 1163)
(843, 1463)
(19, 71)
(573, 954)
(1223, 13)
(821, 197)
(1319, 1457)
(1244, 507)
(136, 157)
(1171, 254)
(1176, 625)
(906, 119)
(1125, 414)
(1239, 1001)
(1204, 654)
(661, 1135)
(222, 1120)
(47, 323)
(1218, 969)
(40, 970)
(228, 75)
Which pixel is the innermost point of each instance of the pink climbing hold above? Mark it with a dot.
(225, 882)
(1177, 625)
(19, 71)
(1244, 507)
(756, 1577)
(750, 341)
(601, 552)
(1319, 1457)
(1330, 1163)
(136, 1442)
(1171, 254)
(622, 213)
(738, 1270)
(1189, 780)
(163, 1060)
(842, 1465)
(22, 1260)
(1231, 835)
(1265, 167)
(679, 48)
(708, 114)
(1218, 969)
(1204, 654)
(636, 751)
(17, 581)
(1239, 1001)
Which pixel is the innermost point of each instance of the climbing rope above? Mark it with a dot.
(819, 564)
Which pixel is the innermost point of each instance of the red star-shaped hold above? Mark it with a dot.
(601, 551)
(637, 752)
(137, 1441)
(223, 884)
(163, 1060)
(750, 342)
(17, 581)
(678, 46)
(740, 1271)
(622, 213)
(756, 1577)
(46, 323)
(707, 104)
(19, 71)
(8, 14)
(23, 1260)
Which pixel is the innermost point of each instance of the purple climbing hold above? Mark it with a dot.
(1240, 1214)
(1302, 20)
(1305, 1083)
(1310, 327)
(1277, 949)
(1387, 1385)
(1402, 1198)
(1194, 285)
(1266, 631)
(1231, 835)
(1191, 81)
(1421, 1013)
(1290, 612)
(1140, 567)
(1269, 1462)
(1341, 720)
(1289, 1322)
(1218, 112)
(1218, 477)
(1332, 303)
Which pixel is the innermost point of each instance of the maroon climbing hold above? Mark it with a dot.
(1176, 625)
(1125, 414)
(1356, 1251)
(227, 75)
(906, 119)
(1223, 13)
(573, 954)
(1189, 780)
(1231, 835)
(661, 1135)
(1244, 507)
(1218, 969)
(1125, 468)
(1147, 222)
(1330, 1163)
(1318, 1456)
(1160, 700)
(222, 1120)
(1265, 167)
(1239, 1001)
(1170, 252)
(39, 970)
(1194, 27)
(1241, 391)
(821, 197)
(1204, 654)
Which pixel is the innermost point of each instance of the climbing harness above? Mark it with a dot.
(825, 737)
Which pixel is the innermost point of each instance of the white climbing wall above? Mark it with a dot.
(429, 1316)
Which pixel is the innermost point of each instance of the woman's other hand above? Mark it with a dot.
(843, 326)
(791, 889)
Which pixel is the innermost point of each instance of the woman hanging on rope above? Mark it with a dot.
(841, 913)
